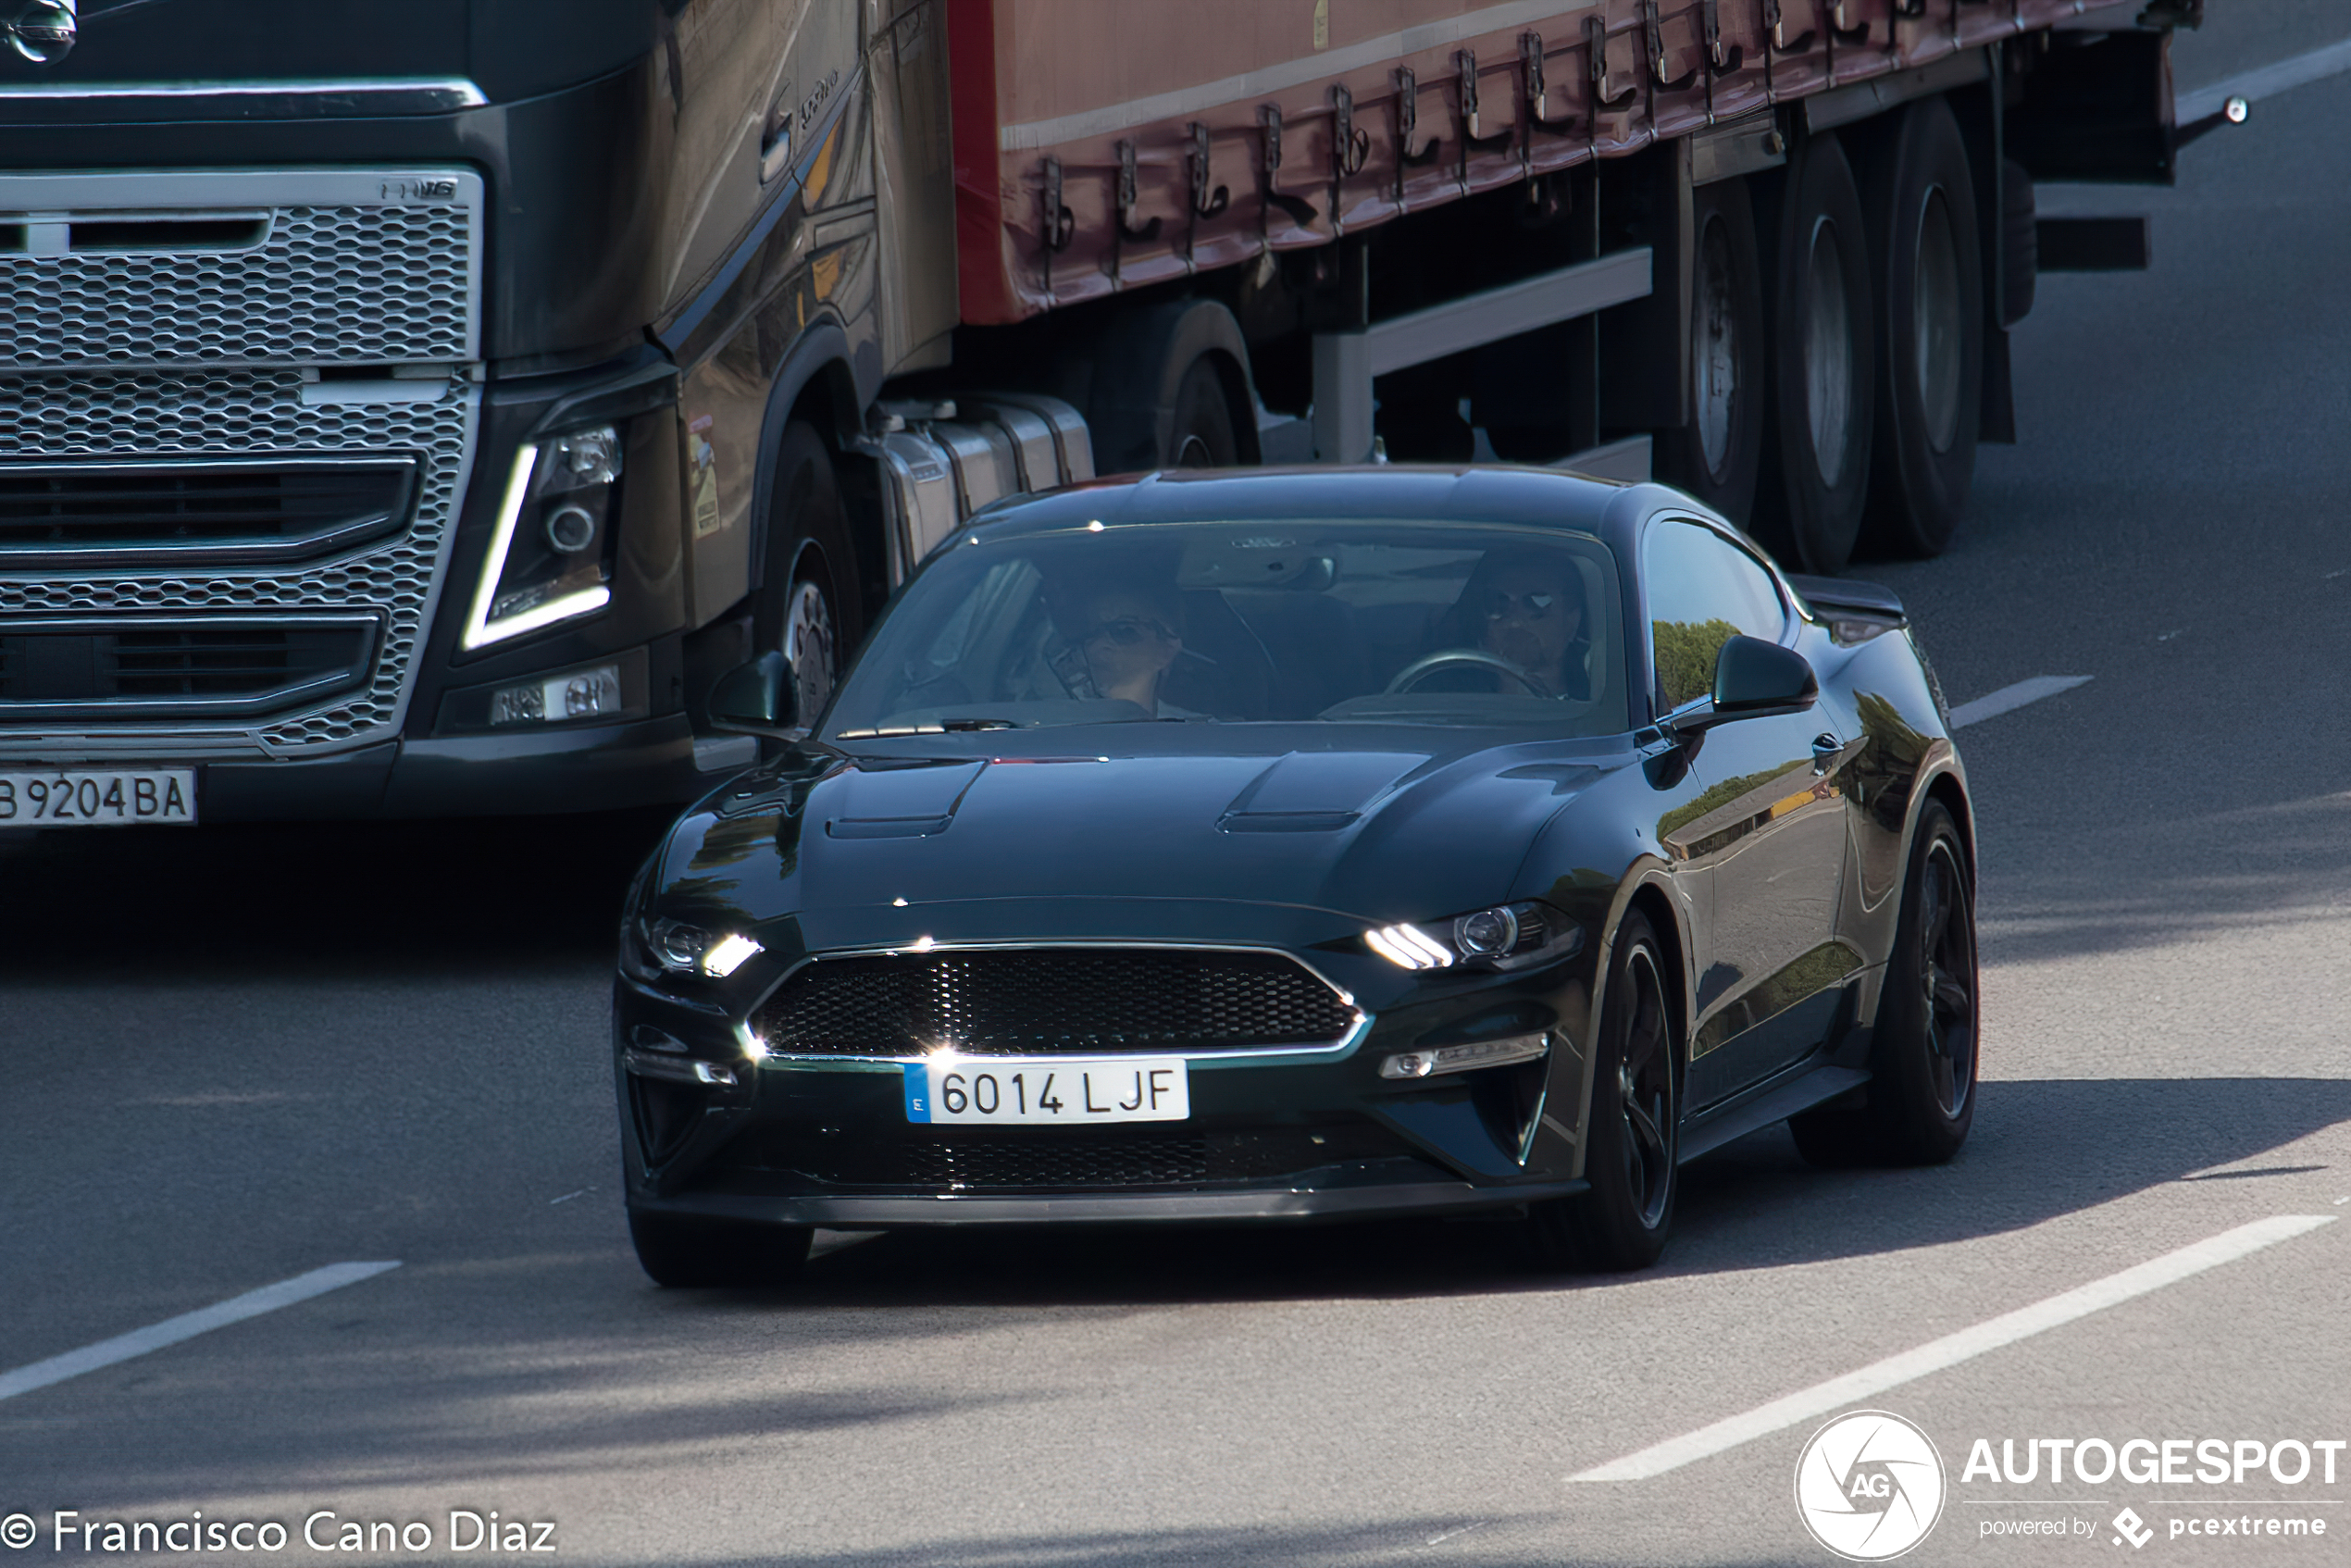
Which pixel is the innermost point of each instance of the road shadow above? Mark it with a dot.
(261, 901)
(2040, 1150)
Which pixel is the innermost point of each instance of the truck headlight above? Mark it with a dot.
(549, 559)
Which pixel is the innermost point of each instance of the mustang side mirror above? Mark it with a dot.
(758, 698)
(1752, 679)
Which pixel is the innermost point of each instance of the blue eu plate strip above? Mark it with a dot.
(918, 1092)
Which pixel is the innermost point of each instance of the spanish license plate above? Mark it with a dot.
(98, 797)
(1081, 1091)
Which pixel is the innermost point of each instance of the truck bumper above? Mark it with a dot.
(590, 767)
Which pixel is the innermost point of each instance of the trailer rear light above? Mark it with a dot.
(549, 559)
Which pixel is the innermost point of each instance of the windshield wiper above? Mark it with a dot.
(953, 725)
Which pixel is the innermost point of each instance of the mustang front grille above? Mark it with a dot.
(1021, 1000)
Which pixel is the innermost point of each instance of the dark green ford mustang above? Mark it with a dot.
(1291, 845)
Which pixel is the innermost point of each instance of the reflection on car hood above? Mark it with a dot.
(1387, 833)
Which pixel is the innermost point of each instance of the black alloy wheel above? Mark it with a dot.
(1717, 455)
(1202, 433)
(685, 1254)
(809, 605)
(1816, 455)
(1632, 1147)
(1921, 1098)
(1929, 276)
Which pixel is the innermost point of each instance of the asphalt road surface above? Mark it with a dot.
(232, 1057)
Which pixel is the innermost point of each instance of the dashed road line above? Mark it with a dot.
(2266, 82)
(1844, 1393)
(187, 1325)
(2008, 699)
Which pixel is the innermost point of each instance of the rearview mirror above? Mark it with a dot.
(759, 698)
(1753, 678)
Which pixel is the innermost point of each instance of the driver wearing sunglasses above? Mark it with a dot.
(1528, 608)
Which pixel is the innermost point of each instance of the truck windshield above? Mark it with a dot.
(1242, 622)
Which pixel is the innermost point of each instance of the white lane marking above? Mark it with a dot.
(1844, 1393)
(187, 1325)
(1448, 1535)
(2266, 82)
(569, 1196)
(2008, 699)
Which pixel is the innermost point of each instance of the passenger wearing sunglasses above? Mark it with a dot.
(1124, 636)
(1527, 607)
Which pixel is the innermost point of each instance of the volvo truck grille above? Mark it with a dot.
(180, 667)
(222, 511)
(237, 412)
(291, 267)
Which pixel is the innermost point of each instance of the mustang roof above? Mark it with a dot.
(1544, 497)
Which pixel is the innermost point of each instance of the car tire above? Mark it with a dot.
(682, 1253)
(1816, 455)
(810, 605)
(1634, 1142)
(1929, 276)
(1920, 1098)
(1717, 455)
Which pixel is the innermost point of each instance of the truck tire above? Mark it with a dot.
(1929, 272)
(1816, 475)
(1717, 454)
(1170, 388)
(810, 606)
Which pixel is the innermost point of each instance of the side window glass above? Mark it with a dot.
(1702, 591)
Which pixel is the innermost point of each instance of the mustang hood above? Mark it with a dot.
(990, 845)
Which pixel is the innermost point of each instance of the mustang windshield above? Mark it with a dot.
(1237, 622)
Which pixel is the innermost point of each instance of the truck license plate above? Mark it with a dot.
(98, 797)
(1070, 1091)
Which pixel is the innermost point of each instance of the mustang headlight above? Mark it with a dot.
(681, 948)
(550, 558)
(1511, 936)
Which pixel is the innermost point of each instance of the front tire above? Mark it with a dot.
(1634, 1145)
(810, 605)
(1921, 1091)
(682, 1253)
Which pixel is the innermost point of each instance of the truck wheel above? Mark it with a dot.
(1170, 386)
(1716, 455)
(1817, 456)
(1930, 285)
(809, 605)
(1201, 433)
(681, 1253)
